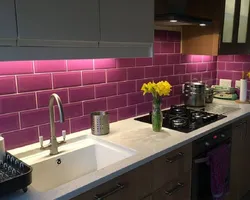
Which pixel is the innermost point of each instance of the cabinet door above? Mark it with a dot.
(62, 23)
(235, 31)
(129, 22)
(8, 31)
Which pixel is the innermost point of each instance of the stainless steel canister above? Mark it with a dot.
(209, 95)
(100, 123)
(194, 94)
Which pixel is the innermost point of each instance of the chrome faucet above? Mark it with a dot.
(53, 145)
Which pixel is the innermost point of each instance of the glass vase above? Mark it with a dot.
(157, 117)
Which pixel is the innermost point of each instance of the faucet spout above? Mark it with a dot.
(53, 140)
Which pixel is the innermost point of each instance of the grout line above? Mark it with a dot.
(33, 66)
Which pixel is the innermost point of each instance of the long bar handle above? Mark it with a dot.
(175, 189)
(175, 158)
(110, 192)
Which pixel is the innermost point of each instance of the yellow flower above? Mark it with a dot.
(162, 88)
(248, 74)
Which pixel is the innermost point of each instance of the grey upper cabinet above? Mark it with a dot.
(126, 22)
(8, 31)
(58, 23)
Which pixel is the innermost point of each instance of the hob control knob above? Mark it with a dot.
(207, 144)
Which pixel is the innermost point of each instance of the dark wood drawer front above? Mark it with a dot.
(170, 166)
(177, 189)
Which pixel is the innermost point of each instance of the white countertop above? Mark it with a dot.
(135, 135)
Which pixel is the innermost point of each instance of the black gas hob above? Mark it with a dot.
(184, 119)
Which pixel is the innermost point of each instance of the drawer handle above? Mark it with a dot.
(175, 189)
(175, 158)
(110, 192)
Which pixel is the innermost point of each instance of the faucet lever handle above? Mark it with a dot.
(41, 140)
(64, 135)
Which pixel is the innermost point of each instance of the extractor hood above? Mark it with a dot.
(175, 12)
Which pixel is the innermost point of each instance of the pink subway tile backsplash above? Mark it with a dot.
(34, 117)
(225, 75)
(242, 58)
(226, 58)
(18, 102)
(7, 85)
(44, 96)
(70, 79)
(27, 83)
(9, 122)
(93, 77)
(86, 64)
(105, 90)
(116, 75)
(234, 66)
(88, 85)
(125, 62)
(117, 102)
(13, 68)
(126, 87)
(221, 66)
(43, 66)
(81, 93)
(104, 63)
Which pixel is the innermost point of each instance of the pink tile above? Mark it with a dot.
(117, 101)
(8, 85)
(105, 90)
(191, 68)
(196, 58)
(81, 93)
(160, 60)
(237, 75)
(177, 47)
(126, 87)
(141, 82)
(186, 59)
(144, 108)
(246, 66)
(135, 98)
(42, 66)
(70, 111)
(20, 138)
(27, 83)
(215, 58)
(207, 58)
(196, 76)
(242, 58)
(68, 79)
(167, 47)
(148, 98)
(9, 122)
(44, 130)
(152, 71)
(43, 97)
(93, 77)
(126, 112)
(226, 58)
(212, 66)
(202, 67)
(80, 123)
(174, 80)
(94, 105)
(221, 66)
(125, 62)
(34, 117)
(16, 67)
(173, 36)
(206, 75)
(135, 73)
(160, 35)
(180, 69)
(214, 74)
(144, 61)
(167, 70)
(84, 64)
(185, 78)
(157, 47)
(104, 63)
(113, 115)
(234, 66)
(115, 75)
(175, 100)
(224, 75)
(174, 58)
(177, 90)
(19, 102)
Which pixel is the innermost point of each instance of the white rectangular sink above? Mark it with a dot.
(74, 161)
